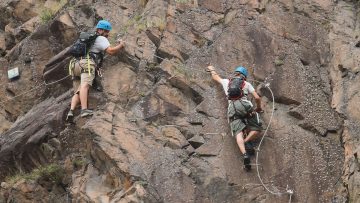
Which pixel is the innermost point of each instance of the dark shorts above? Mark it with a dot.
(253, 123)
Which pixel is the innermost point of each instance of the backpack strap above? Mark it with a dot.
(88, 63)
(88, 52)
(243, 83)
(71, 64)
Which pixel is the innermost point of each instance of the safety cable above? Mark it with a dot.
(288, 191)
(267, 85)
(35, 88)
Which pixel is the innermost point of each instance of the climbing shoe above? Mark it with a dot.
(70, 116)
(247, 162)
(86, 112)
(249, 147)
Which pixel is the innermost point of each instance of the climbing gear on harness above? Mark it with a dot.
(77, 66)
(235, 87)
(103, 24)
(242, 70)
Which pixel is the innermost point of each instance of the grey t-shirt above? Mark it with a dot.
(101, 43)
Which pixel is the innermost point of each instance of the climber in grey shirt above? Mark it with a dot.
(86, 67)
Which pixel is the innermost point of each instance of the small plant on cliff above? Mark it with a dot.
(182, 1)
(78, 162)
(52, 172)
(278, 62)
(159, 23)
(152, 67)
(46, 15)
(142, 94)
(141, 27)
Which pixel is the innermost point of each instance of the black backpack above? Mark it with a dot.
(235, 88)
(82, 45)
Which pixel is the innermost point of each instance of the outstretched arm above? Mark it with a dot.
(113, 50)
(214, 75)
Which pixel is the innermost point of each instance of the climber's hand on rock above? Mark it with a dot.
(210, 68)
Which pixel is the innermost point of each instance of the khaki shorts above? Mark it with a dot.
(81, 68)
(253, 123)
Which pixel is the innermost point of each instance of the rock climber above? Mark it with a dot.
(84, 68)
(243, 118)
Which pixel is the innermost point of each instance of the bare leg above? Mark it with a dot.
(84, 91)
(251, 136)
(75, 100)
(240, 142)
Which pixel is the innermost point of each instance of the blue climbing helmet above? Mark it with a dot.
(242, 70)
(103, 24)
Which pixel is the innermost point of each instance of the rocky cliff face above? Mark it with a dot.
(159, 132)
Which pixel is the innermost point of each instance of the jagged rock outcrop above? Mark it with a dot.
(159, 132)
(344, 73)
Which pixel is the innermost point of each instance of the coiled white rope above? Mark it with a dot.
(288, 191)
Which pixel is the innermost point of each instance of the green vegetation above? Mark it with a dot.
(182, 1)
(278, 62)
(46, 15)
(140, 24)
(137, 18)
(159, 23)
(142, 182)
(141, 27)
(142, 94)
(151, 66)
(52, 172)
(78, 162)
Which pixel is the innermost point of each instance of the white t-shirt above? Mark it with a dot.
(101, 43)
(248, 88)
